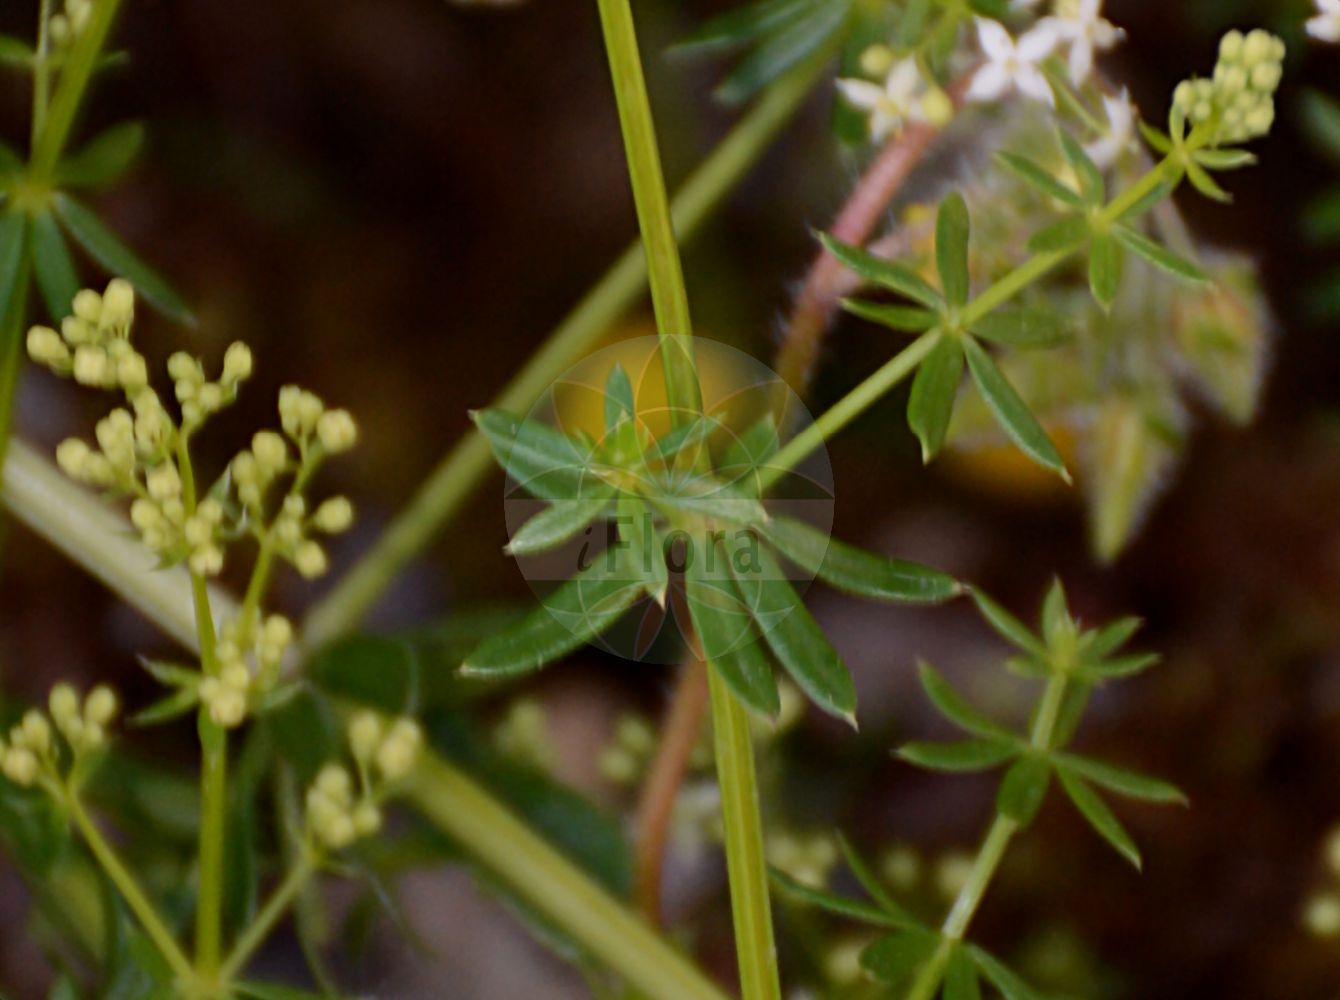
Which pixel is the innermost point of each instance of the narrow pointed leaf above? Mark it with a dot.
(1205, 184)
(783, 50)
(52, 265)
(884, 273)
(645, 549)
(870, 882)
(1010, 411)
(1071, 713)
(729, 637)
(1225, 159)
(104, 158)
(543, 461)
(856, 571)
(961, 978)
(108, 250)
(1001, 976)
(576, 613)
(618, 398)
(952, 233)
(1107, 640)
(795, 638)
(1032, 173)
(1023, 788)
(954, 708)
(1145, 204)
(174, 706)
(1063, 234)
(1160, 142)
(841, 906)
(1104, 269)
(906, 319)
(1055, 612)
(963, 756)
(557, 523)
(1091, 184)
(1099, 816)
(1024, 327)
(742, 25)
(934, 391)
(747, 454)
(13, 229)
(894, 958)
(1131, 784)
(1120, 667)
(170, 674)
(1160, 256)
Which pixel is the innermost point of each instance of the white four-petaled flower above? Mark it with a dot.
(891, 105)
(1325, 26)
(1081, 25)
(1120, 135)
(1013, 64)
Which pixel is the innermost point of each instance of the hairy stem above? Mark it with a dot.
(131, 892)
(657, 805)
(451, 484)
(264, 922)
(989, 857)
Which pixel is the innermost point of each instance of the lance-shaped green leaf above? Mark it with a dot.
(959, 757)
(934, 391)
(1063, 234)
(856, 571)
(954, 708)
(786, 48)
(870, 882)
(576, 613)
(1030, 172)
(884, 273)
(1105, 266)
(686, 439)
(728, 635)
(707, 496)
(841, 906)
(1010, 411)
(1057, 624)
(103, 159)
(1117, 668)
(895, 957)
(1131, 784)
(1091, 185)
(52, 264)
(557, 523)
(104, 247)
(645, 548)
(1103, 642)
(1024, 327)
(1202, 181)
(952, 232)
(1009, 627)
(13, 229)
(170, 674)
(1160, 256)
(742, 25)
(1225, 159)
(1146, 203)
(961, 978)
(752, 449)
(269, 991)
(905, 319)
(1001, 976)
(1023, 788)
(170, 707)
(543, 461)
(618, 398)
(1099, 816)
(794, 637)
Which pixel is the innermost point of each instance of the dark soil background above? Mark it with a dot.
(394, 200)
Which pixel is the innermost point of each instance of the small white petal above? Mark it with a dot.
(1039, 43)
(861, 93)
(1032, 83)
(1331, 7)
(1081, 62)
(989, 83)
(996, 42)
(1325, 29)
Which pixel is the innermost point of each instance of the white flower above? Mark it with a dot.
(1325, 26)
(1081, 25)
(1013, 64)
(1120, 135)
(891, 105)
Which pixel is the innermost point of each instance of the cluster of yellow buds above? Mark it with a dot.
(1239, 102)
(93, 345)
(629, 753)
(68, 25)
(31, 754)
(249, 668)
(522, 734)
(807, 858)
(341, 811)
(199, 397)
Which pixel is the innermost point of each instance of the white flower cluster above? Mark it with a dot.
(68, 25)
(1239, 102)
(1325, 26)
(31, 753)
(340, 812)
(904, 96)
(138, 446)
(249, 665)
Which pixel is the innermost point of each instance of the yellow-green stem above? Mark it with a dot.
(131, 892)
(446, 490)
(989, 857)
(41, 70)
(264, 922)
(745, 861)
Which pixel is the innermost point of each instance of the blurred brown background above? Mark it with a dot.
(394, 200)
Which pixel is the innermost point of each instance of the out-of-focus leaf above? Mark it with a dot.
(558, 523)
(1023, 788)
(906, 319)
(34, 833)
(172, 706)
(1202, 181)
(13, 227)
(107, 249)
(1099, 816)
(545, 462)
(953, 707)
(884, 273)
(1001, 976)
(1105, 267)
(1128, 783)
(742, 25)
(961, 978)
(1011, 412)
(307, 734)
(1091, 184)
(934, 390)
(1063, 234)
(963, 756)
(15, 52)
(272, 991)
(729, 637)
(855, 571)
(105, 157)
(1006, 624)
(870, 882)
(52, 265)
(1160, 256)
(1038, 177)
(852, 909)
(1024, 327)
(894, 958)
(784, 49)
(952, 233)
(1321, 118)
(619, 404)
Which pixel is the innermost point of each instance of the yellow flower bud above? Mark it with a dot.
(90, 365)
(335, 782)
(71, 456)
(271, 451)
(46, 347)
(337, 431)
(237, 362)
(36, 731)
(207, 561)
(20, 766)
(100, 706)
(310, 560)
(87, 305)
(63, 703)
(365, 735)
(163, 481)
(367, 819)
(334, 516)
(118, 302)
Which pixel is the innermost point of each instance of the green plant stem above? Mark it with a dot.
(131, 892)
(745, 860)
(989, 856)
(450, 485)
(264, 922)
(492, 834)
(41, 70)
(11, 350)
(874, 388)
(756, 953)
(76, 71)
(213, 765)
